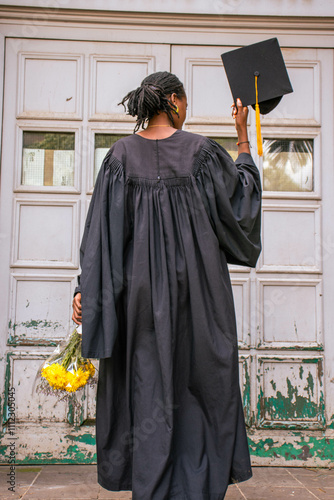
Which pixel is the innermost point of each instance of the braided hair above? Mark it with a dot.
(150, 98)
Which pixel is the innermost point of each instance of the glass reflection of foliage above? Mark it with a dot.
(103, 143)
(288, 165)
(48, 158)
(106, 140)
(49, 140)
(229, 144)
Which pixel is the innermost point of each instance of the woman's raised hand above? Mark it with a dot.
(240, 113)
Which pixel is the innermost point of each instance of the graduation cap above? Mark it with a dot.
(258, 76)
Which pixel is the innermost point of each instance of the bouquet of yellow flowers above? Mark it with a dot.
(66, 371)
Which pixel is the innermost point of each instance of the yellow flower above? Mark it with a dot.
(55, 374)
(76, 379)
(68, 380)
(90, 368)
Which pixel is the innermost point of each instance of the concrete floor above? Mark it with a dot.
(69, 482)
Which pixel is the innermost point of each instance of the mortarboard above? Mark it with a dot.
(258, 76)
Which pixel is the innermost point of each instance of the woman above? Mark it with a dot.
(169, 210)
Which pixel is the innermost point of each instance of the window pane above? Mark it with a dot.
(103, 143)
(229, 144)
(48, 159)
(288, 165)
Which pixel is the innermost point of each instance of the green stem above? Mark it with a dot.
(70, 350)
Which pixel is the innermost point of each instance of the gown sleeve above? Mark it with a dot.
(231, 193)
(101, 261)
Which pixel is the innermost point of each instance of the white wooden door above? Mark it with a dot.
(60, 117)
(284, 306)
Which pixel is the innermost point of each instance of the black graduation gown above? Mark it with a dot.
(165, 218)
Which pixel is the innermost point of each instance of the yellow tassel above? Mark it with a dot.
(257, 120)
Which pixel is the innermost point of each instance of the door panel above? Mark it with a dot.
(119, 73)
(39, 308)
(293, 248)
(200, 70)
(50, 84)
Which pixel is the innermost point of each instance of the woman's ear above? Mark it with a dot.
(173, 98)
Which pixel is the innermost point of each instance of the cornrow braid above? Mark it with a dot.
(151, 97)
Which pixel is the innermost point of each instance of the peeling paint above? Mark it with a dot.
(321, 448)
(283, 407)
(34, 323)
(310, 386)
(70, 412)
(303, 448)
(246, 396)
(260, 407)
(39, 323)
(292, 347)
(320, 370)
(273, 384)
(331, 425)
(6, 388)
(22, 340)
(73, 455)
(76, 410)
(82, 457)
(274, 411)
(83, 438)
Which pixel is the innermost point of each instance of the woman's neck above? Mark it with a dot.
(159, 127)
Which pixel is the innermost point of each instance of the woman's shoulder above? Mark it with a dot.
(195, 142)
(203, 144)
